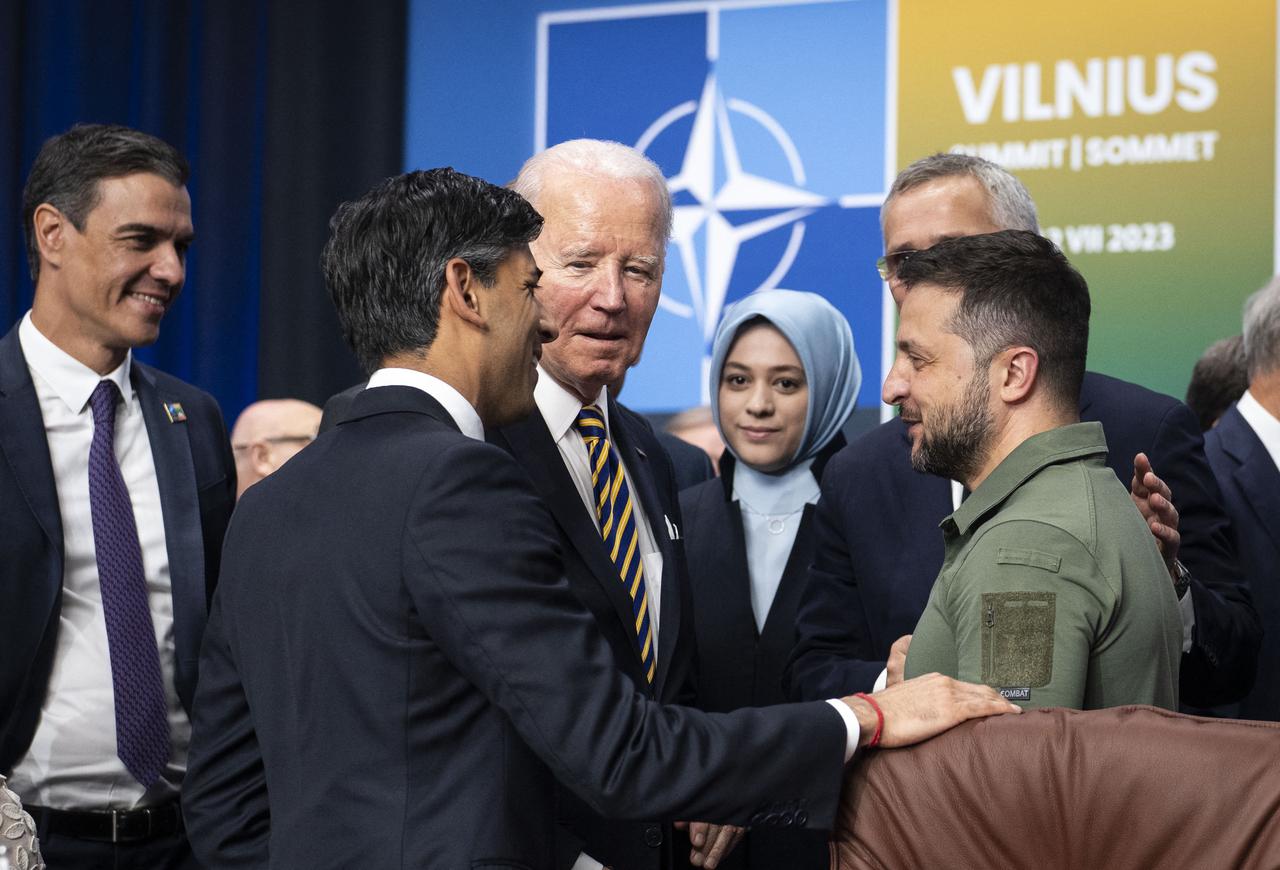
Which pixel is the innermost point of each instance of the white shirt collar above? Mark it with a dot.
(72, 380)
(457, 407)
(1263, 423)
(560, 408)
(776, 494)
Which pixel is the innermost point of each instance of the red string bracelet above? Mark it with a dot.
(875, 738)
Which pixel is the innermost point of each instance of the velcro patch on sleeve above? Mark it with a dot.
(1033, 558)
(1017, 638)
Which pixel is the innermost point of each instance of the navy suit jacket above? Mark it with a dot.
(594, 579)
(691, 464)
(196, 475)
(395, 669)
(879, 549)
(1250, 485)
(738, 664)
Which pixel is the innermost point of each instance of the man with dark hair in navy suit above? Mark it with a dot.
(395, 671)
(879, 547)
(1244, 450)
(116, 483)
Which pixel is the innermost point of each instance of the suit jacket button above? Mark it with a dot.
(757, 819)
(652, 836)
(787, 820)
(802, 818)
(772, 819)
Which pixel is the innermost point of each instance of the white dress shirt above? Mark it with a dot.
(1263, 423)
(459, 408)
(72, 761)
(559, 409)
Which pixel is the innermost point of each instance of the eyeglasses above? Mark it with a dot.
(276, 439)
(889, 264)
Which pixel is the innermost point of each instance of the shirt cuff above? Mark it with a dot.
(586, 862)
(1188, 608)
(881, 681)
(852, 729)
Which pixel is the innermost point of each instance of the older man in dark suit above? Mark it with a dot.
(395, 669)
(1244, 450)
(116, 483)
(879, 547)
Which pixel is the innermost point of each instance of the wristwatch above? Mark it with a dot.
(1181, 579)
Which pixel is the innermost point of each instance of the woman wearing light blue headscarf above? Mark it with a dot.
(784, 379)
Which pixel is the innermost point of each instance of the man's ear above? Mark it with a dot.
(461, 292)
(49, 229)
(260, 458)
(1016, 371)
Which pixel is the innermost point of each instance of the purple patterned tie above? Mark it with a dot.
(142, 724)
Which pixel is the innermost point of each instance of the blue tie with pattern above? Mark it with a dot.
(142, 724)
(618, 525)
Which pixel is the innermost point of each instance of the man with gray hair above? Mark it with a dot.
(878, 550)
(1244, 450)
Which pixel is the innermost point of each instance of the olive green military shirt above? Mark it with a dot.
(1052, 589)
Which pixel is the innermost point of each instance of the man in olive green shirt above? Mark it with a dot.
(1052, 590)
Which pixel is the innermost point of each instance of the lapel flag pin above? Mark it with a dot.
(174, 412)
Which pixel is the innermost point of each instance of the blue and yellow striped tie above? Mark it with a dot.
(618, 525)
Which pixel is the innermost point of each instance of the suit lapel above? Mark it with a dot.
(1257, 475)
(180, 505)
(533, 448)
(25, 448)
(640, 478)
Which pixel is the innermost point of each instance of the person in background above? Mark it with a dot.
(1219, 378)
(1244, 450)
(695, 426)
(785, 377)
(267, 434)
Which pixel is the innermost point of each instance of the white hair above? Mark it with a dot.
(594, 157)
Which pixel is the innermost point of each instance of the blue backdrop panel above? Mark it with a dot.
(768, 120)
(192, 74)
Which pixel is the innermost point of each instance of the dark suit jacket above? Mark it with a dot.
(738, 664)
(197, 480)
(645, 843)
(395, 670)
(691, 464)
(880, 549)
(1250, 485)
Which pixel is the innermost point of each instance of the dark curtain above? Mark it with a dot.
(282, 109)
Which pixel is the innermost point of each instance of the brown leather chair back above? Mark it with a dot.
(1127, 787)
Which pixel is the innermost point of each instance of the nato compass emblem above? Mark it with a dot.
(768, 121)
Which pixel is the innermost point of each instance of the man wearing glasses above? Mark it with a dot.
(879, 548)
(267, 435)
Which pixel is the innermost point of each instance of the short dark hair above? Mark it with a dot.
(1219, 378)
(1016, 288)
(69, 166)
(385, 258)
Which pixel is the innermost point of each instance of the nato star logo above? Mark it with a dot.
(757, 115)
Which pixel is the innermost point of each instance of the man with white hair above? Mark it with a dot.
(1244, 450)
(267, 434)
(607, 216)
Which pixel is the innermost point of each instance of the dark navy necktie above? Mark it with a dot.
(142, 724)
